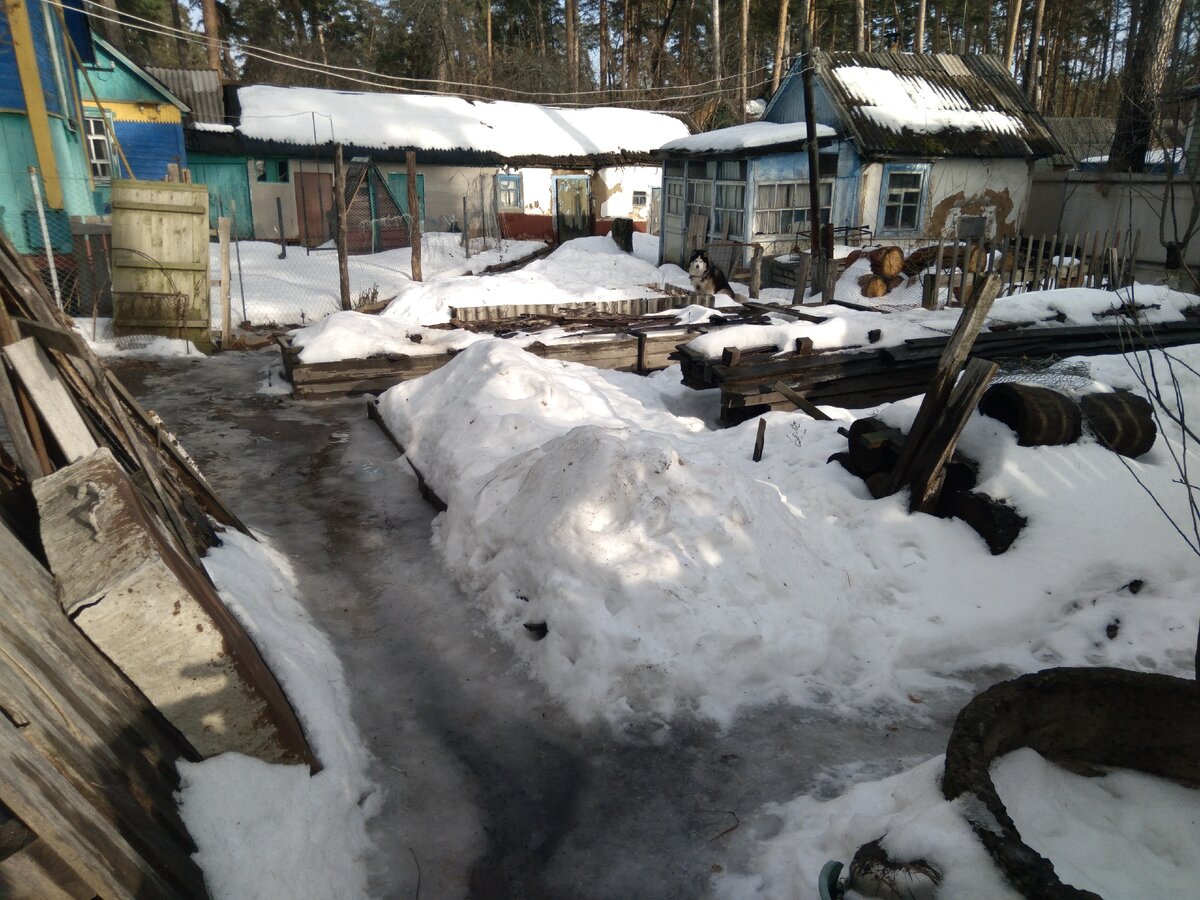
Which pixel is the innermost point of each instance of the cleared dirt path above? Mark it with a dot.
(489, 790)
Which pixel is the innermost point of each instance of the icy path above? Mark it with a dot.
(488, 788)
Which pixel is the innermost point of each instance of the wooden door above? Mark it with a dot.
(315, 210)
(572, 207)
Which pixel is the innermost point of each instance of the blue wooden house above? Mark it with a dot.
(145, 118)
(41, 122)
(911, 148)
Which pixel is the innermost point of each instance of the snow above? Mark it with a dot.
(304, 287)
(267, 831)
(676, 581)
(744, 137)
(410, 121)
(909, 103)
(99, 335)
(591, 269)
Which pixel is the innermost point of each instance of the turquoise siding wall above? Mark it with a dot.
(114, 82)
(228, 188)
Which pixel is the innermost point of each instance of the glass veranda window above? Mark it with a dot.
(99, 151)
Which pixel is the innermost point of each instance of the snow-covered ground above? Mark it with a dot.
(304, 287)
(647, 576)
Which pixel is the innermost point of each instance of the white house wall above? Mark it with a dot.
(614, 188)
(997, 189)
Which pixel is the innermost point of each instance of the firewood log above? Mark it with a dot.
(872, 285)
(886, 261)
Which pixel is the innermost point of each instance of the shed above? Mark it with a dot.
(912, 148)
(549, 173)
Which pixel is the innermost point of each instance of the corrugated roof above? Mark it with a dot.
(906, 105)
(1082, 138)
(198, 88)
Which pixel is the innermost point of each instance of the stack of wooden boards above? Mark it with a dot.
(624, 335)
(117, 655)
(857, 377)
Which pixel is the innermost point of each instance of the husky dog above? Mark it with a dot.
(706, 277)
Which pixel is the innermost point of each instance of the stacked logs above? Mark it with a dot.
(890, 268)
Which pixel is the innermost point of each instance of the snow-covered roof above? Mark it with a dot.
(289, 115)
(933, 104)
(756, 135)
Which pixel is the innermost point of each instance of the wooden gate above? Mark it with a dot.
(314, 207)
(160, 260)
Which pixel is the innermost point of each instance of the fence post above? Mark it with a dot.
(414, 214)
(237, 250)
(756, 272)
(282, 238)
(466, 228)
(41, 210)
(339, 199)
(223, 243)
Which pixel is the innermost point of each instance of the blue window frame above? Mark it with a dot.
(902, 198)
(508, 192)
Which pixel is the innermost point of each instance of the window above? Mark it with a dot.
(271, 171)
(99, 151)
(674, 197)
(783, 208)
(699, 198)
(902, 200)
(508, 191)
(729, 216)
(639, 198)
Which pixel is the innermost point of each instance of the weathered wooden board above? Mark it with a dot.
(160, 260)
(51, 398)
(36, 872)
(157, 618)
(635, 306)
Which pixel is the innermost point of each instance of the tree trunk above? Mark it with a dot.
(572, 13)
(487, 11)
(743, 61)
(111, 28)
(716, 39)
(1141, 83)
(780, 39)
(1030, 82)
(177, 23)
(919, 37)
(414, 215)
(604, 47)
(212, 33)
(660, 43)
(1014, 23)
(625, 47)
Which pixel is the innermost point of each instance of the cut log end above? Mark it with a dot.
(886, 261)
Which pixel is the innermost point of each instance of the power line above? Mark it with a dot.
(351, 73)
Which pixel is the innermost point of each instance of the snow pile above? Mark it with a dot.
(304, 287)
(418, 122)
(99, 335)
(584, 270)
(655, 553)
(264, 830)
(909, 103)
(1125, 835)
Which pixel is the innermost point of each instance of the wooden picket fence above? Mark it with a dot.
(1097, 259)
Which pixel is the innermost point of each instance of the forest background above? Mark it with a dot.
(701, 58)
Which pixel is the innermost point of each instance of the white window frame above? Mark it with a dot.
(781, 207)
(97, 165)
(503, 181)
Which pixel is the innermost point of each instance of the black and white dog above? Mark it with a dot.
(706, 277)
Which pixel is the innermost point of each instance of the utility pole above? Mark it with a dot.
(810, 128)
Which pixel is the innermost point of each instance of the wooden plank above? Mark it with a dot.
(188, 210)
(801, 403)
(958, 348)
(157, 616)
(936, 451)
(803, 265)
(54, 404)
(33, 464)
(760, 438)
(223, 245)
(63, 340)
(42, 797)
(36, 872)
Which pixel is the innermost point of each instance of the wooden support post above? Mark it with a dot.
(339, 199)
(172, 173)
(414, 214)
(958, 348)
(282, 236)
(756, 272)
(831, 277)
(223, 249)
(930, 465)
(466, 229)
(759, 439)
(803, 264)
(929, 292)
